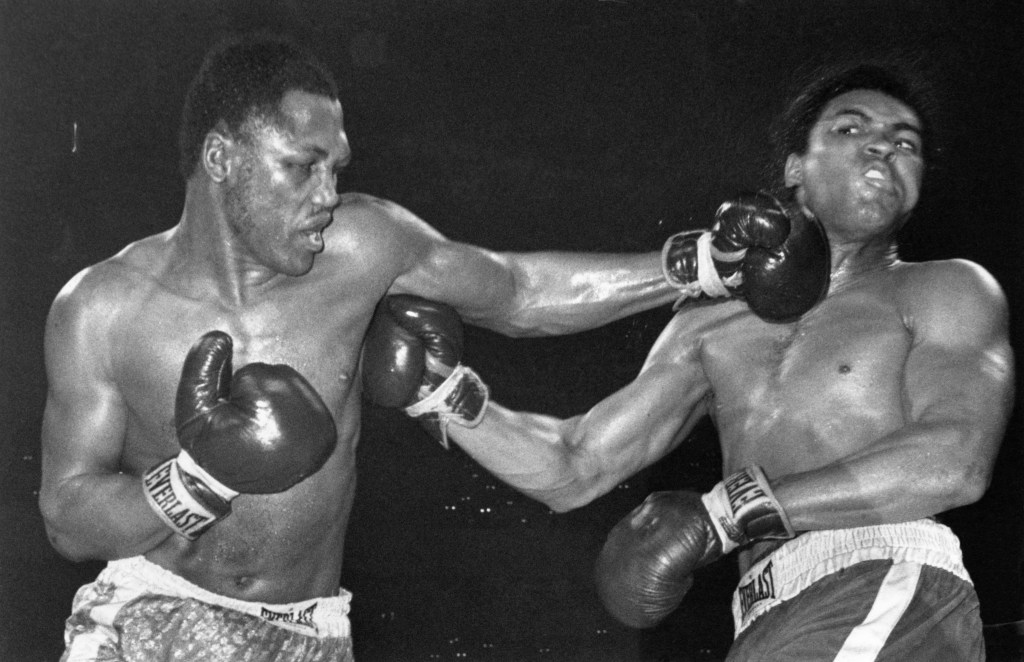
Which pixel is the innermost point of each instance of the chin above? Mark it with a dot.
(297, 267)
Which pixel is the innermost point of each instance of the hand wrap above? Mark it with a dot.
(744, 509)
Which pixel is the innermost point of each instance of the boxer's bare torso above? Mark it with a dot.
(278, 547)
(795, 397)
(268, 252)
(790, 397)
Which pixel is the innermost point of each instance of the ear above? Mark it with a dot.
(216, 157)
(794, 171)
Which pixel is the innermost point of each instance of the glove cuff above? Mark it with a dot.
(461, 398)
(743, 509)
(185, 496)
(706, 281)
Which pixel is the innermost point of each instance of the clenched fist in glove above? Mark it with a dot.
(260, 431)
(780, 264)
(411, 359)
(646, 566)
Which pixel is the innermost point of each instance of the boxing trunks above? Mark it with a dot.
(895, 592)
(137, 611)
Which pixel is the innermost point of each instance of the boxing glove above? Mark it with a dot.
(260, 431)
(755, 251)
(646, 565)
(412, 359)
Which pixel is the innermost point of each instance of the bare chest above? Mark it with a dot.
(829, 381)
(319, 337)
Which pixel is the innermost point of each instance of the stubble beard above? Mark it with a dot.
(240, 216)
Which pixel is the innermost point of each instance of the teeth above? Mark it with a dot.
(874, 174)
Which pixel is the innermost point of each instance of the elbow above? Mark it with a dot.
(559, 501)
(965, 487)
(973, 485)
(563, 505)
(63, 543)
(569, 497)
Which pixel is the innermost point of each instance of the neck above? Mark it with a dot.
(850, 260)
(209, 257)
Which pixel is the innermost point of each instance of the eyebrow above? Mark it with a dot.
(322, 153)
(899, 126)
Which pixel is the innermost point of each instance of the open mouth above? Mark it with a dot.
(879, 179)
(315, 238)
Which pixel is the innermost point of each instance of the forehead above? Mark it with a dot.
(874, 105)
(309, 121)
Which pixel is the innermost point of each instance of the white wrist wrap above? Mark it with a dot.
(168, 491)
(461, 398)
(743, 509)
(708, 282)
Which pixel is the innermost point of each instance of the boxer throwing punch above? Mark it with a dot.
(845, 432)
(221, 498)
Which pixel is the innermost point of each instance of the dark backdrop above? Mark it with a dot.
(517, 125)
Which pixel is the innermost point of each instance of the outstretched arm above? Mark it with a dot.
(567, 463)
(958, 389)
(411, 359)
(517, 294)
(755, 249)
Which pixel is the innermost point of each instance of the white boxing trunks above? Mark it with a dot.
(137, 611)
(890, 592)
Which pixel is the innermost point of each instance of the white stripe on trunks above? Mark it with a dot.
(894, 595)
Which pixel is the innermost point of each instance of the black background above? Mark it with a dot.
(516, 125)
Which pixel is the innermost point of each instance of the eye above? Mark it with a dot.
(847, 128)
(907, 145)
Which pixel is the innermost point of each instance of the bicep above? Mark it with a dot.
(959, 371)
(84, 417)
(482, 285)
(644, 421)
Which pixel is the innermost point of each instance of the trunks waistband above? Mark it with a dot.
(320, 617)
(814, 555)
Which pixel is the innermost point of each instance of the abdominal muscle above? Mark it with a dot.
(275, 548)
(794, 400)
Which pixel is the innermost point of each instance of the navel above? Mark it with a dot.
(844, 369)
(243, 582)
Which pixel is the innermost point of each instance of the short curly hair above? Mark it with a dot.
(900, 80)
(244, 77)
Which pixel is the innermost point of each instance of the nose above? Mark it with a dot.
(880, 146)
(326, 194)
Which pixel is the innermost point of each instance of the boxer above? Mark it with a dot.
(845, 431)
(221, 499)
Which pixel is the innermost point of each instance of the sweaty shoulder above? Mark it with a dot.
(98, 300)
(943, 291)
(378, 232)
(114, 282)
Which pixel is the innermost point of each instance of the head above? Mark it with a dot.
(241, 81)
(865, 127)
(262, 131)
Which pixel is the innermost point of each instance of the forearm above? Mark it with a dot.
(561, 293)
(530, 453)
(101, 517)
(919, 471)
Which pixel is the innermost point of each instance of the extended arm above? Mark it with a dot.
(958, 393)
(517, 294)
(413, 345)
(753, 250)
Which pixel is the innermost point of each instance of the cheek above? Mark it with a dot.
(913, 176)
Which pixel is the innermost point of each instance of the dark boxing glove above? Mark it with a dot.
(259, 432)
(412, 359)
(755, 250)
(646, 566)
